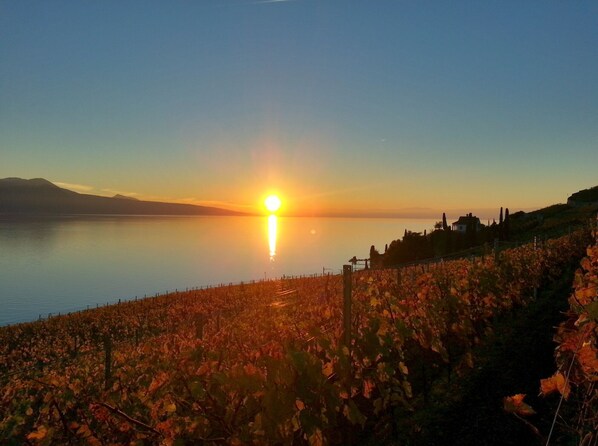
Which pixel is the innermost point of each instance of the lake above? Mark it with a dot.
(66, 264)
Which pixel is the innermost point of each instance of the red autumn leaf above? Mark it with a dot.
(588, 359)
(555, 383)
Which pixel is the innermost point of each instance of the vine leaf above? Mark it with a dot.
(514, 404)
(556, 383)
(39, 434)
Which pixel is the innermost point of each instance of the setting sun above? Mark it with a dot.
(272, 203)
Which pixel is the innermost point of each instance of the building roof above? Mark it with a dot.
(464, 220)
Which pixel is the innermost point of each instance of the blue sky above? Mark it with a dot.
(369, 106)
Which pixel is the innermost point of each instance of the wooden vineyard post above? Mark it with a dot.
(107, 361)
(347, 292)
(347, 305)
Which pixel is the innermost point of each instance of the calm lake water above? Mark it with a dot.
(67, 264)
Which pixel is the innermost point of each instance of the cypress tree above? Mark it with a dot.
(444, 224)
(507, 225)
(500, 226)
(374, 256)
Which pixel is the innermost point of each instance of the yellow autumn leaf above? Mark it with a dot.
(39, 434)
(586, 295)
(403, 368)
(327, 369)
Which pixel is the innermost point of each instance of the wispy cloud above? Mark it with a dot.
(74, 187)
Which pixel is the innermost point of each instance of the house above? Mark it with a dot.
(465, 221)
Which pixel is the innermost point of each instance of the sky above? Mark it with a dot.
(341, 107)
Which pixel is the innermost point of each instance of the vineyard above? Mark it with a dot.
(577, 360)
(271, 362)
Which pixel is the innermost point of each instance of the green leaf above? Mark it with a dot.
(197, 390)
(592, 310)
(353, 414)
(309, 422)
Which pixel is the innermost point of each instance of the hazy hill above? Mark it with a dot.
(124, 197)
(39, 196)
(551, 221)
(557, 219)
(584, 197)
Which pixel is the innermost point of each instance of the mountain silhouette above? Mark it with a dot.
(40, 196)
(124, 197)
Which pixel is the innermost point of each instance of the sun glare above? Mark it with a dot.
(272, 203)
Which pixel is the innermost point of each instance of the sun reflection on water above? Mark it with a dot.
(272, 229)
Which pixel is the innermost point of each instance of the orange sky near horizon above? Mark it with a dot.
(368, 200)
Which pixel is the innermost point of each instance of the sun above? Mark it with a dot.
(272, 203)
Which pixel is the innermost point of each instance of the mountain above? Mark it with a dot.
(124, 197)
(39, 196)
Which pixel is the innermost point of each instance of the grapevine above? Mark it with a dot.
(259, 363)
